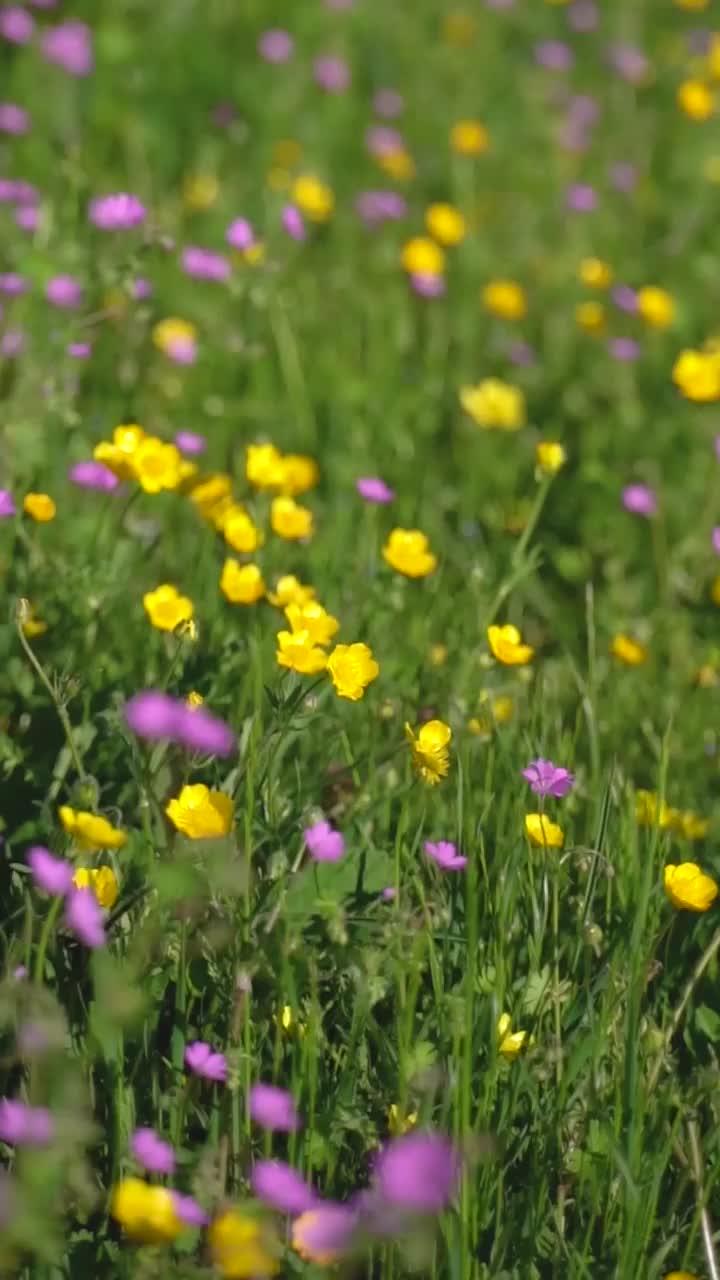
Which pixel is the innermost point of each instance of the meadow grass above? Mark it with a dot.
(370, 987)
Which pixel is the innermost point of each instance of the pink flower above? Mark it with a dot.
(372, 489)
(13, 119)
(79, 351)
(639, 500)
(418, 1171)
(276, 45)
(188, 1210)
(324, 844)
(16, 24)
(445, 855)
(191, 444)
(155, 715)
(281, 1187)
(428, 286)
(332, 74)
(52, 875)
(388, 103)
(204, 264)
(716, 539)
(7, 504)
(27, 217)
(240, 234)
(293, 223)
(273, 1108)
(548, 779)
(205, 1062)
(152, 1151)
(24, 1126)
(69, 46)
(119, 212)
(84, 917)
(64, 292)
(94, 475)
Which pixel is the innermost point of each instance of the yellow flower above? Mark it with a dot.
(157, 465)
(194, 699)
(40, 507)
(166, 608)
(595, 273)
(685, 1275)
(398, 164)
(502, 709)
(352, 668)
(200, 191)
(713, 58)
(438, 655)
(407, 551)
(240, 1248)
(118, 455)
(239, 531)
(688, 888)
(655, 306)
(254, 255)
(199, 813)
(505, 298)
(693, 6)
(264, 466)
(298, 473)
(550, 456)
(494, 403)
(400, 1122)
(629, 651)
(102, 881)
(241, 583)
(692, 826)
(469, 138)
(648, 813)
(697, 374)
(172, 330)
(290, 520)
(313, 198)
(213, 498)
(320, 625)
(542, 832)
(302, 1241)
(296, 651)
(696, 99)
(507, 646)
(288, 590)
(288, 1023)
(145, 1212)
(511, 1043)
(445, 223)
(422, 257)
(590, 317)
(429, 749)
(32, 626)
(90, 831)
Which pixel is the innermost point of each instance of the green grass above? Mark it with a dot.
(595, 1153)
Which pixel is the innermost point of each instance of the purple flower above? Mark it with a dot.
(329, 1229)
(373, 489)
(389, 893)
(52, 875)
(548, 779)
(13, 119)
(182, 350)
(583, 15)
(188, 1210)
(554, 55)
(625, 349)
(281, 1187)
(388, 103)
(84, 917)
(520, 353)
(156, 1155)
(623, 176)
(156, 715)
(276, 45)
(141, 289)
(584, 110)
(625, 298)
(332, 74)
(324, 844)
(716, 539)
(7, 504)
(16, 24)
(224, 114)
(152, 714)
(94, 475)
(12, 343)
(581, 198)
(418, 1171)
(118, 212)
(12, 285)
(240, 234)
(273, 1108)
(69, 46)
(629, 63)
(198, 730)
(445, 855)
(428, 286)
(381, 140)
(204, 264)
(639, 500)
(27, 217)
(79, 350)
(25, 1126)
(191, 444)
(375, 207)
(205, 1062)
(64, 292)
(293, 223)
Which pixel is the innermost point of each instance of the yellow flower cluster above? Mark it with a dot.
(351, 667)
(651, 812)
(102, 881)
(89, 830)
(493, 403)
(153, 463)
(146, 1213)
(697, 374)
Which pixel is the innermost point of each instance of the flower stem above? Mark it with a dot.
(45, 679)
(50, 921)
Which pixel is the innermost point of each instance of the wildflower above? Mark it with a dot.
(199, 813)
(648, 813)
(40, 507)
(64, 292)
(146, 1213)
(264, 466)
(697, 374)
(331, 74)
(281, 1187)
(696, 100)
(595, 273)
(548, 779)
(469, 138)
(119, 454)
(639, 499)
(398, 1122)
(352, 668)
(273, 1108)
(298, 473)
(200, 191)
(372, 489)
(446, 224)
(155, 715)
(188, 1210)
(16, 24)
(511, 1043)
(324, 844)
(313, 198)
(84, 917)
(241, 584)
(628, 651)
(656, 306)
(505, 298)
(397, 164)
(190, 443)
(7, 504)
(118, 212)
(25, 1126)
(590, 317)
(157, 465)
(166, 608)
(52, 875)
(507, 646)
(623, 349)
(691, 826)
(94, 475)
(156, 1155)
(69, 46)
(407, 551)
(688, 888)
(288, 590)
(542, 832)
(205, 1062)
(418, 1172)
(320, 625)
(296, 651)
(239, 1248)
(429, 748)
(290, 520)
(550, 456)
(89, 830)
(292, 223)
(445, 855)
(324, 1233)
(276, 45)
(581, 198)
(102, 881)
(177, 339)
(438, 655)
(494, 403)
(423, 257)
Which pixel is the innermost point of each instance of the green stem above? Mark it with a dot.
(50, 921)
(37, 667)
